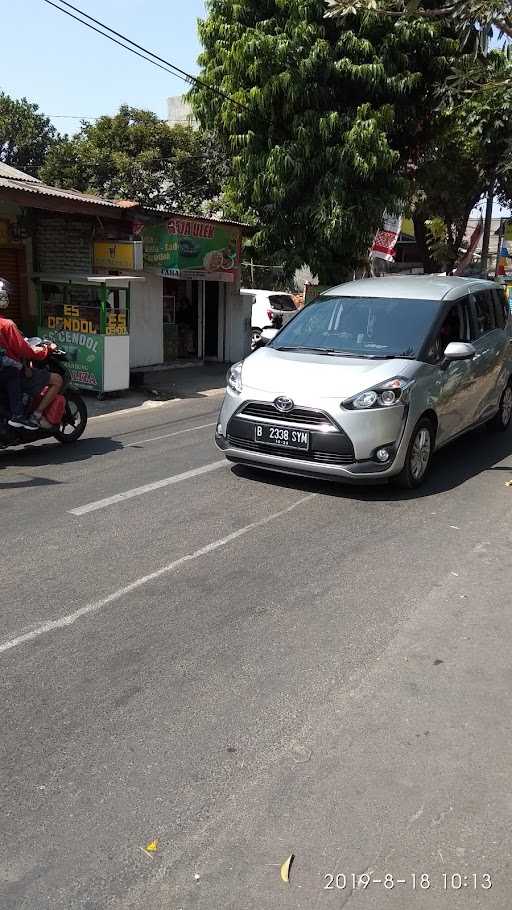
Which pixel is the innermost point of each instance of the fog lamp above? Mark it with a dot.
(382, 455)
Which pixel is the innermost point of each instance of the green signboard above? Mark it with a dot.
(86, 356)
(186, 248)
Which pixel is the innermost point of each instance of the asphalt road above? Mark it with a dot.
(241, 667)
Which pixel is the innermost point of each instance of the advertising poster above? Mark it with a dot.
(185, 248)
(86, 356)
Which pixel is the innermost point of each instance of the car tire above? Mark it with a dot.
(419, 456)
(255, 335)
(501, 421)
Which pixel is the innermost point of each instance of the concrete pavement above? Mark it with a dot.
(162, 386)
(244, 667)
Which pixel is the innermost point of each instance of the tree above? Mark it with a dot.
(26, 135)
(135, 155)
(473, 18)
(325, 122)
(451, 176)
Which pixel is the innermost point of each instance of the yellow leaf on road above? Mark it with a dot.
(285, 869)
(152, 847)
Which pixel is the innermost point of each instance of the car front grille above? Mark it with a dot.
(262, 410)
(323, 457)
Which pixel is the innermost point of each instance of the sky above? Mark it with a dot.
(69, 70)
(72, 72)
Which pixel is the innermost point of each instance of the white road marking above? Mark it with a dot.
(140, 442)
(97, 605)
(148, 488)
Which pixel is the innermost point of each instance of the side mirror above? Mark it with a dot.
(459, 350)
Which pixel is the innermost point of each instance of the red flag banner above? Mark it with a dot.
(384, 245)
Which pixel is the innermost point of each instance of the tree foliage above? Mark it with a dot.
(26, 135)
(474, 19)
(327, 122)
(451, 176)
(135, 155)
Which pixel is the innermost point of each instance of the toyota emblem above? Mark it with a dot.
(283, 404)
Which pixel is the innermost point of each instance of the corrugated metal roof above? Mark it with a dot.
(11, 179)
(171, 213)
(7, 171)
(42, 189)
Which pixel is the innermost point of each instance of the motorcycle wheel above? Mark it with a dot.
(74, 420)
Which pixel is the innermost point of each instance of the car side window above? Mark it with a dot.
(501, 308)
(484, 312)
(455, 327)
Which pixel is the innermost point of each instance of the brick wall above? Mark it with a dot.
(63, 243)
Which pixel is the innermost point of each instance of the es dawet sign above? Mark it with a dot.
(188, 248)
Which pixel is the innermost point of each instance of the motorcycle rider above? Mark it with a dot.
(31, 381)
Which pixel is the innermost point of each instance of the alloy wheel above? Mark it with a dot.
(506, 406)
(420, 455)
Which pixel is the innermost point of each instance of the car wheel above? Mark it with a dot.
(419, 456)
(501, 422)
(255, 336)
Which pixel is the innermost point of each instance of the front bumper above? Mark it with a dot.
(342, 449)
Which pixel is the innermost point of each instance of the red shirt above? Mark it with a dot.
(14, 344)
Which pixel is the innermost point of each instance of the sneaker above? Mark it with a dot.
(44, 423)
(41, 421)
(23, 423)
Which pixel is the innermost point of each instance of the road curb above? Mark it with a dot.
(150, 405)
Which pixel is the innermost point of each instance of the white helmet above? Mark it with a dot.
(5, 291)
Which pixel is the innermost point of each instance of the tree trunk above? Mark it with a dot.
(420, 233)
(461, 233)
(487, 226)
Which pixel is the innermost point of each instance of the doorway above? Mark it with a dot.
(13, 269)
(211, 320)
(180, 320)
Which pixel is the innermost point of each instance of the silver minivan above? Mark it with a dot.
(371, 378)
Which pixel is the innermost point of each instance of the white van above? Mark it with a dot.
(266, 305)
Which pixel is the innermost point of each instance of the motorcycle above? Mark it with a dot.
(74, 419)
(268, 333)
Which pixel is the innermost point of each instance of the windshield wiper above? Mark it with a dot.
(357, 355)
(398, 357)
(332, 352)
(311, 350)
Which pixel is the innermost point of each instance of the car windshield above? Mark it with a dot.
(377, 327)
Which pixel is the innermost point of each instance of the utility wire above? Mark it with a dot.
(168, 67)
(70, 117)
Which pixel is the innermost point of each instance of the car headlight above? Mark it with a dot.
(386, 395)
(234, 377)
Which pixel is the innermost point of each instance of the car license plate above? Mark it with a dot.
(285, 437)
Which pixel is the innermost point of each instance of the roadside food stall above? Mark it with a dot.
(89, 317)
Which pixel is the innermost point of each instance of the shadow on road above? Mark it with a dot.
(53, 453)
(468, 457)
(29, 483)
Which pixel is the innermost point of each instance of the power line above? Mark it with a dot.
(71, 117)
(168, 67)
